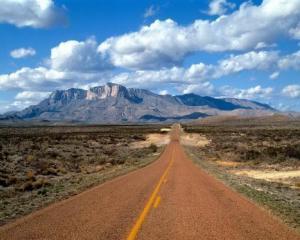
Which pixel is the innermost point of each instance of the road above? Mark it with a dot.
(169, 199)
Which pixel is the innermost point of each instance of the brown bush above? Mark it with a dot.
(30, 158)
(117, 161)
(3, 181)
(51, 171)
(27, 186)
(251, 155)
(293, 151)
(30, 175)
(12, 180)
(41, 182)
(153, 147)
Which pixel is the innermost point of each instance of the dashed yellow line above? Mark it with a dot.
(134, 231)
(157, 201)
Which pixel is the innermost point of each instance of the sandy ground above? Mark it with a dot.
(153, 138)
(228, 163)
(187, 139)
(193, 140)
(288, 177)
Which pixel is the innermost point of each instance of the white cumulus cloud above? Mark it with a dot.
(45, 79)
(166, 43)
(257, 92)
(292, 91)
(248, 61)
(22, 52)
(274, 75)
(220, 7)
(295, 32)
(22, 100)
(151, 11)
(77, 56)
(291, 61)
(76, 63)
(31, 96)
(202, 88)
(31, 13)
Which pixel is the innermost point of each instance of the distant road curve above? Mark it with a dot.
(169, 199)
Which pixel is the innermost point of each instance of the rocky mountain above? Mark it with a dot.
(113, 103)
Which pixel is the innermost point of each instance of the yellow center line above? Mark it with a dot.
(157, 201)
(140, 220)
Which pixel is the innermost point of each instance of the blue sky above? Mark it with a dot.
(221, 48)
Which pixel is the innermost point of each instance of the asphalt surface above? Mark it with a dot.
(169, 199)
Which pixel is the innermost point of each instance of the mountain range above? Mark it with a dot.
(114, 103)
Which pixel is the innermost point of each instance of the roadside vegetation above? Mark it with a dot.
(40, 165)
(260, 161)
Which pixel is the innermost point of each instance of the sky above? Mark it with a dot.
(219, 48)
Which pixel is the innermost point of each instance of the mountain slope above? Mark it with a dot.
(196, 100)
(248, 104)
(114, 103)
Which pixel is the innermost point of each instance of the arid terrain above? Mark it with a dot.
(172, 198)
(41, 165)
(175, 197)
(259, 158)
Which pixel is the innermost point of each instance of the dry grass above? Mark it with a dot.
(39, 165)
(253, 146)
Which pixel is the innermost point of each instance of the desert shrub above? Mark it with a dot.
(51, 171)
(30, 175)
(43, 191)
(290, 151)
(113, 141)
(52, 154)
(75, 155)
(118, 161)
(5, 154)
(30, 158)
(12, 180)
(30, 185)
(62, 170)
(250, 154)
(139, 137)
(271, 151)
(27, 186)
(3, 182)
(75, 166)
(153, 147)
(36, 147)
(41, 166)
(293, 151)
(41, 182)
(99, 159)
(109, 151)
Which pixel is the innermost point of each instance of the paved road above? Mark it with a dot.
(169, 199)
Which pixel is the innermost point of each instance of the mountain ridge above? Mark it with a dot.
(114, 103)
